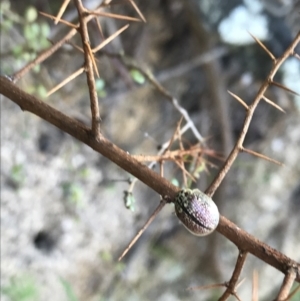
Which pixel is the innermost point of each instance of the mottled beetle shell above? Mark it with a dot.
(197, 211)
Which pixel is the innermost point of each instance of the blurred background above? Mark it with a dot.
(63, 219)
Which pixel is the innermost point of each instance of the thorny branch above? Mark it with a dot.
(89, 65)
(91, 137)
(235, 276)
(249, 114)
(239, 237)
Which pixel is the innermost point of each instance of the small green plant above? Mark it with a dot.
(17, 174)
(22, 288)
(73, 193)
(34, 34)
(68, 290)
(137, 76)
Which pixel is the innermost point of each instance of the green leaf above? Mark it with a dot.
(73, 193)
(31, 32)
(106, 256)
(17, 50)
(31, 14)
(17, 173)
(44, 29)
(6, 24)
(137, 76)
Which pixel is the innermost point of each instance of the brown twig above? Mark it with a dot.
(235, 276)
(141, 231)
(239, 237)
(89, 68)
(43, 56)
(61, 11)
(60, 20)
(286, 285)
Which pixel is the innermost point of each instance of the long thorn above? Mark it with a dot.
(109, 39)
(263, 47)
(273, 104)
(251, 152)
(138, 235)
(137, 10)
(72, 76)
(284, 87)
(238, 99)
(115, 16)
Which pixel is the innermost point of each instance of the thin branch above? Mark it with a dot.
(61, 11)
(60, 20)
(89, 69)
(46, 53)
(43, 56)
(286, 285)
(141, 231)
(83, 133)
(235, 276)
(251, 108)
(187, 118)
(164, 148)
